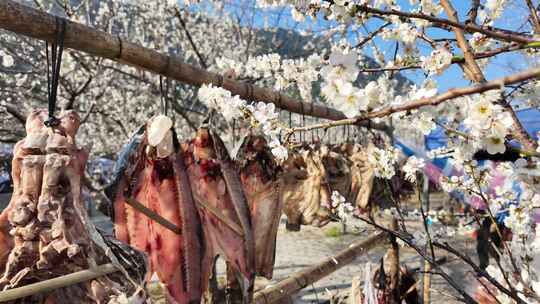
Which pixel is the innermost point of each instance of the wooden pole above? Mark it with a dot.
(55, 283)
(153, 215)
(27, 21)
(304, 278)
(394, 269)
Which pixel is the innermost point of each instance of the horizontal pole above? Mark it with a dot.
(306, 277)
(217, 213)
(153, 215)
(28, 21)
(55, 283)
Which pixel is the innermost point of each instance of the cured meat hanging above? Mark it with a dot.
(222, 208)
(305, 191)
(362, 174)
(259, 176)
(349, 172)
(46, 229)
(311, 174)
(151, 172)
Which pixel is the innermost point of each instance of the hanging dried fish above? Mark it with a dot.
(151, 178)
(259, 176)
(223, 209)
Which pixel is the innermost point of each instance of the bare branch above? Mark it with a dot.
(471, 68)
(372, 35)
(534, 17)
(202, 62)
(495, 33)
(15, 112)
(473, 12)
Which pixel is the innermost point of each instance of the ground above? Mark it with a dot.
(296, 250)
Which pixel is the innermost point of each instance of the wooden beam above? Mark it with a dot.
(28, 21)
(55, 283)
(306, 277)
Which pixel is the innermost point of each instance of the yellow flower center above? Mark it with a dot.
(483, 109)
(496, 140)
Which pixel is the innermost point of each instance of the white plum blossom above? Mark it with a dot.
(350, 100)
(342, 208)
(7, 61)
(263, 116)
(439, 60)
(341, 65)
(337, 199)
(404, 32)
(263, 112)
(412, 166)
(383, 161)
(494, 143)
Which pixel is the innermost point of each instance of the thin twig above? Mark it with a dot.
(202, 62)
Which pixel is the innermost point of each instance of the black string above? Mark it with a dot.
(164, 106)
(57, 49)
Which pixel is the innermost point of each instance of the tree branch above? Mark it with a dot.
(495, 33)
(190, 39)
(15, 112)
(433, 101)
(534, 17)
(471, 68)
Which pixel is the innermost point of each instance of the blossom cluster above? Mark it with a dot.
(339, 89)
(261, 116)
(383, 161)
(412, 167)
(6, 59)
(341, 207)
(284, 72)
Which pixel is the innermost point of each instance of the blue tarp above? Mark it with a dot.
(435, 168)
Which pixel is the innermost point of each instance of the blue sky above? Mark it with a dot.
(513, 17)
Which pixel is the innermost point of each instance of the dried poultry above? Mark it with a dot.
(362, 174)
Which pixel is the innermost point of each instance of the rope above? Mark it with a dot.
(164, 106)
(53, 78)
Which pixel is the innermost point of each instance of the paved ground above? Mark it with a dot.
(296, 250)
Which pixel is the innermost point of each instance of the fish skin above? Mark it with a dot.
(258, 174)
(124, 160)
(238, 198)
(190, 225)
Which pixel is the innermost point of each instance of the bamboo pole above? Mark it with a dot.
(55, 283)
(27, 21)
(303, 278)
(153, 215)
